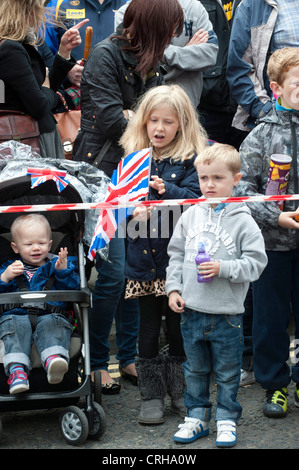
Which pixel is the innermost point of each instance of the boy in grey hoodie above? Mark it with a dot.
(212, 311)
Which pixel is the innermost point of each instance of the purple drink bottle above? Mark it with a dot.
(202, 257)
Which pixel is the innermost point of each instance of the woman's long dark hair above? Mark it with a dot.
(150, 26)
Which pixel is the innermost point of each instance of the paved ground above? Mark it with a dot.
(41, 430)
(125, 438)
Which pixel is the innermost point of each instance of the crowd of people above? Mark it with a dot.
(212, 87)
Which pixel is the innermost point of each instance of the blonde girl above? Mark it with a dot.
(166, 120)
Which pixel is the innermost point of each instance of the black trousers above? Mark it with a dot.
(152, 309)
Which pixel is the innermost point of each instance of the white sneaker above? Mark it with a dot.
(246, 378)
(56, 367)
(191, 430)
(226, 433)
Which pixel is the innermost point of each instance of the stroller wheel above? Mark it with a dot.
(99, 422)
(74, 425)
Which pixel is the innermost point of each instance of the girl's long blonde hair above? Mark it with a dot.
(19, 17)
(191, 137)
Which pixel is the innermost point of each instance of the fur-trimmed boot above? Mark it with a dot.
(175, 384)
(151, 382)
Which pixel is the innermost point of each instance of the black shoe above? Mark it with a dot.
(126, 376)
(276, 404)
(111, 388)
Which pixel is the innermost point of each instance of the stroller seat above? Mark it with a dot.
(67, 228)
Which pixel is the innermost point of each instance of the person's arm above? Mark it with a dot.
(255, 168)
(63, 61)
(242, 77)
(253, 259)
(102, 79)
(35, 99)
(195, 55)
(176, 253)
(188, 187)
(66, 275)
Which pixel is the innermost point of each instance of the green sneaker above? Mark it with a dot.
(297, 395)
(276, 404)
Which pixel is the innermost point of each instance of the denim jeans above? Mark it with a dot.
(108, 304)
(52, 336)
(275, 299)
(212, 343)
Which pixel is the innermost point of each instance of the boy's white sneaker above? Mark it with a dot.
(226, 433)
(191, 429)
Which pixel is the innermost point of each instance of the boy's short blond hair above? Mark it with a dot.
(280, 62)
(29, 219)
(220, 152)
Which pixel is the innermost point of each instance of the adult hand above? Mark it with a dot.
(200, 37)
(75, 75)
(71, 39)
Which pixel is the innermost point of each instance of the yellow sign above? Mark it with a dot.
(75, 14)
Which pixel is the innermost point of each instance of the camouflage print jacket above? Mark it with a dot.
(277, 132)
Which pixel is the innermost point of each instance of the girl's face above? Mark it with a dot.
(162, 126)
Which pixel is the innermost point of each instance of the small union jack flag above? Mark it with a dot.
(128, 183)
(40, 175)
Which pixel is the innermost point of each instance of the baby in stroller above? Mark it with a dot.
(52, 326)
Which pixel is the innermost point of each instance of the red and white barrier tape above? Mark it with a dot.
(169, 202)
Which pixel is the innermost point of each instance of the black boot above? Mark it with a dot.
(151, 382)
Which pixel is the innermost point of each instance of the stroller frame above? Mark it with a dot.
(77, 424)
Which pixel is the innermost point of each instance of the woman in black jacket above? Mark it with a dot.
(117, 71)
(28, 86)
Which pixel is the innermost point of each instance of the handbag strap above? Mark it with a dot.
(63, 100)
(102, 153)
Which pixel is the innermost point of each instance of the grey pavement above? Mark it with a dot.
(124, 436)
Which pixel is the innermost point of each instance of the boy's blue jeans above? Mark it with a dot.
(52, 336)
(212, 343)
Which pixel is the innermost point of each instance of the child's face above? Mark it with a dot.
(162, 126)
(289, 90)
(216, 180)
(32, 244)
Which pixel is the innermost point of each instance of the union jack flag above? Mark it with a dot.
(129, 183)
(40, 175)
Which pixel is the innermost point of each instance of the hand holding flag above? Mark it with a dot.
(129, 183)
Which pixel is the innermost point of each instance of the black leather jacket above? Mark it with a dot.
(109, 85)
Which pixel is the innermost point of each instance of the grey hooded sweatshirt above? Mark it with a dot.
(230, 236)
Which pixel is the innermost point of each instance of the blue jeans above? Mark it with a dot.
(275, 299)
(52, 336)
(212, 343)
(108, 304)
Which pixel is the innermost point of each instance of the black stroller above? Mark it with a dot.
(83, 415)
